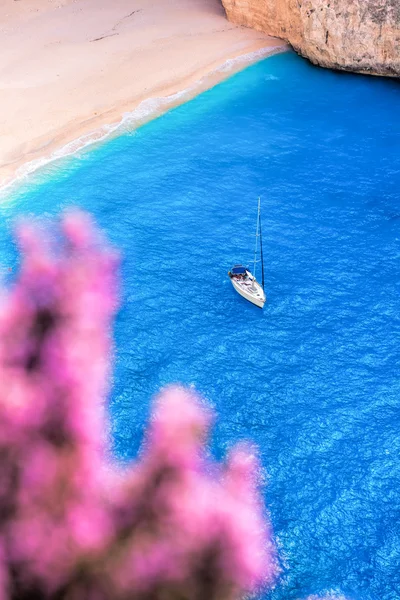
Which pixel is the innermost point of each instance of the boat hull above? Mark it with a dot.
(257, 298)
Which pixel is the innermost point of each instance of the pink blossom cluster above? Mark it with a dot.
(174, 525)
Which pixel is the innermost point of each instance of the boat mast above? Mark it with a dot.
(261, 248)
(256, 248)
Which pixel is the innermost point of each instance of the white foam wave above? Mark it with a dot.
(143, 112)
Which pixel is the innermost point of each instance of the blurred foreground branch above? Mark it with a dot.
(172, 527)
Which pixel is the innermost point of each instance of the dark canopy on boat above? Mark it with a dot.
(238, 270)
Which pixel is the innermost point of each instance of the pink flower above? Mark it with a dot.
(174, 524)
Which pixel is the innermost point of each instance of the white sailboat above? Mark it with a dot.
(245, 282)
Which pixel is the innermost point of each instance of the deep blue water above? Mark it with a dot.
(313, 378)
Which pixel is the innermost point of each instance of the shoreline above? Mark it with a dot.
(106, 126)
(73, 72)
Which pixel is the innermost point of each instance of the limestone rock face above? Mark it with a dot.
(354, 35)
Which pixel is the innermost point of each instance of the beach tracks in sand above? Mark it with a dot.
(114, 29)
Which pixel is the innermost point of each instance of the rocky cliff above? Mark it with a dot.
(354, 35)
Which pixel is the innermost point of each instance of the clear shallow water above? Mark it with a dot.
(313, 378)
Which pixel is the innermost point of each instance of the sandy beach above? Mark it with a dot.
(68, 68)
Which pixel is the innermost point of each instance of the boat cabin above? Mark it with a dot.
(238, 272)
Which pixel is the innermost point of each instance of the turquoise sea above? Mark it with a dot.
(313, 379)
